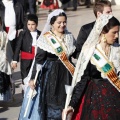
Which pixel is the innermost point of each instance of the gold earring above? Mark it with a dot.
(104, 38)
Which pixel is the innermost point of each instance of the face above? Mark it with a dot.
(112, 35)
(59, 25)
(31, 25)
(106, 10)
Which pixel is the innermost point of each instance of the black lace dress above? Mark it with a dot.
(52, 83)
(101, 99)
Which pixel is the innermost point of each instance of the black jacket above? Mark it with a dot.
(82, 36)
(18, 12)
(24, 43)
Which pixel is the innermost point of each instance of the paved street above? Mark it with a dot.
(10, 110)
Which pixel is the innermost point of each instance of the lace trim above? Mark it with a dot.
(43, 44)
(69, 43)
(89, 47)
(69, 40)
(115, 58)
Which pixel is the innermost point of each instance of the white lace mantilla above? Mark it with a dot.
(89, 47)
(68, 39)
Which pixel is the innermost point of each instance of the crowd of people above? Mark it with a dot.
(30, 6)
(53, 4)
(54, 88)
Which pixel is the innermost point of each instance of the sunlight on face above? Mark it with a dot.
(60, 24)
(31, 25)
(112, 35)
(107, 10)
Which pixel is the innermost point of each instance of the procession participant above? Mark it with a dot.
(5, 67)
(56, 46)
(25, 45)
(96, 76)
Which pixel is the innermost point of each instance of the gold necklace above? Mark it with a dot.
(107, 51)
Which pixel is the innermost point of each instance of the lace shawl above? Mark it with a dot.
(89, 47)
(69, 42)
(115, 58)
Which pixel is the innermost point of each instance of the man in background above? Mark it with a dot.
(100, 7)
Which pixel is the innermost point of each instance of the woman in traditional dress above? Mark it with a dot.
(5, 67)
(55, 48)
(96, 76)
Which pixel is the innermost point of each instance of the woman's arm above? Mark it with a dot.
(77, 94)
(39, 60)
(80, 88)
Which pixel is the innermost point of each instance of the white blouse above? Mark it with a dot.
(10, 19)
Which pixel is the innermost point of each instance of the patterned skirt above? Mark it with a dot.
(101, 102)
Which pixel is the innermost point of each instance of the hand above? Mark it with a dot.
(14, 65)
(69, 112)
(31, 84)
